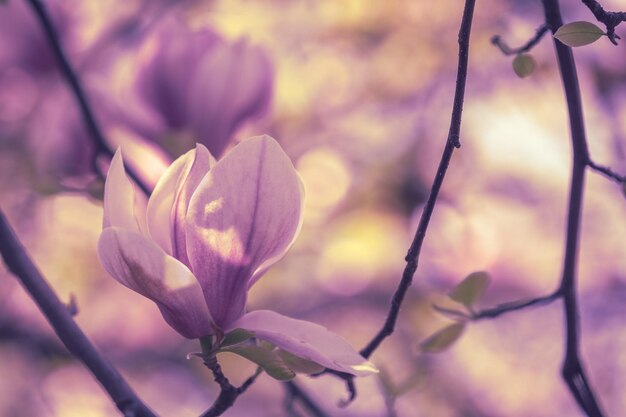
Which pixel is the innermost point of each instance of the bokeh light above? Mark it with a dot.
(359, 95)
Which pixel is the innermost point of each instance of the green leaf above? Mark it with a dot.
(524, 65)
(269, 360)
(579, 33)
(471, 289)
(451, 313)
(298, 364)
(443, 339)
(235, 337)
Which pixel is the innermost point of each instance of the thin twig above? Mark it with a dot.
(412, 256)
(228, 392)
(572, 370)
(248, 382)
(19, 263)
(511, 306)
(348, 379)
(507, 50)
(607, 172)
(610, 19)
(100, 142)
(452, 142)
(294, 392)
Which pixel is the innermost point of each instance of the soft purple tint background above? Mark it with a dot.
(361, 102)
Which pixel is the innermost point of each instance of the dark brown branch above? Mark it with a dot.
(57, 314)
(294, 392)
(452, 142)
(504, 308)
(228, 392)
(348, 379)
(607, 172)
(610, 19)
(249, 381)
(572, 370)
(507, 50)
(100, 142)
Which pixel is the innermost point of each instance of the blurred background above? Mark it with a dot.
(359, 95)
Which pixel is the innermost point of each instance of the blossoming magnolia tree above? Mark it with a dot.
(209, 232)
(211, 228)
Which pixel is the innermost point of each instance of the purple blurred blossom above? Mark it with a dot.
(35, 103)
(22, 41)
(62, 147)
(193, 86)
(27, 64)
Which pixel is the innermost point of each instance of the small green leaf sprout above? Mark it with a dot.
(579, 33)
(467, 292)
(524, 65)
(443, 339)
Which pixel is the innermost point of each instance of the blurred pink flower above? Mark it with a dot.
(193, 86)
(22, 41)
(210, 230)
(27, 64)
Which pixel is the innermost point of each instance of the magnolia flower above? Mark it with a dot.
(194, 84)
(210, 231)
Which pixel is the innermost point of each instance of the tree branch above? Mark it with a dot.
(507, 50)
(452, 142)
(572, 370)
(228, 392)
(100, 142)
(610, 19)
(57, 314)
(491, 313)
(607, 172)
(295, 392)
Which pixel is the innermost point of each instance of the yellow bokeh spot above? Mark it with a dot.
(364, 246)
(326, 178)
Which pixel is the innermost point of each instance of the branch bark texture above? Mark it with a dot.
(573, 371)
(610, 19)
(453, 141)
(19, 263)
(101, 144)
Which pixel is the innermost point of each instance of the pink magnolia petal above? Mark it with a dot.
(194, 172)
(269, 262)
(142, 266)
(306, 340)
(119, 197)
(169, 201)
(161, 201)
(246, 211)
